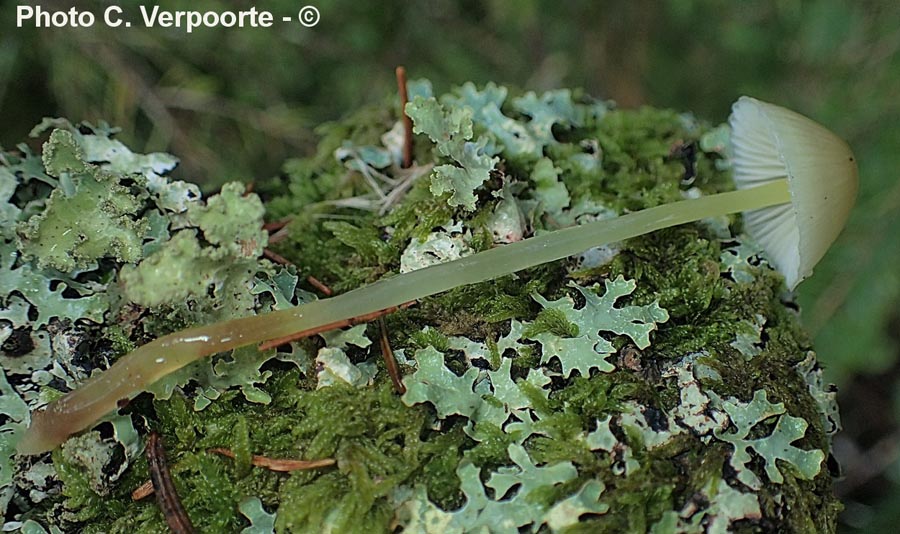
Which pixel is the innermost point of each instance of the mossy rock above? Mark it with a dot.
(660, 384)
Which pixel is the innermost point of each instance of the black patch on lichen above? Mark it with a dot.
(18, 343)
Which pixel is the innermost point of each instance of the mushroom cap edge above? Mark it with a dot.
(769, 143)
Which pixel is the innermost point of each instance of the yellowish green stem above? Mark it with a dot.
(132, 373)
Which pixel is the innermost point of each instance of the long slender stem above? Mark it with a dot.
(132, 373)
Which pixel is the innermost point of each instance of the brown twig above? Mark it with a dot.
(280, 235)
(389, 361)
(274, 226)
(277, 258)
(313, 281)
(277, 229)
(278, 464)
(272, 464)
(143, 491)
(320, 285)
(164, 488)
(364, 318)
(407, 122)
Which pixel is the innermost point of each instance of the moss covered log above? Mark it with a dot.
(660, 384)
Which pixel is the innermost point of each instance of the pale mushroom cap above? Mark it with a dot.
(771, 143)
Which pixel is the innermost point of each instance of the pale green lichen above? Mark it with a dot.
(824, 394)
(448, 393)
(549, 190)
(261, 521)
(586, 349)
(511, 136)
(51, 319)
(621, 455)
(452, 131)
(91, 216)
(772, 447)
(29, 527)
(473, 350)
(515, 503)
(45, 292)
(15, 420)
(741, 261)
(9, 212)
(183, 269)
(522, 138)
(749, 336)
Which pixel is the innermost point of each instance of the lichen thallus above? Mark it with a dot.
(795, 183)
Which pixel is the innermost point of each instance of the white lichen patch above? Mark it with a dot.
(694, 412)
(333, 366)
(717, 506)
(437, 247)
(105, 460)
(394, 140)
(597, 256)
(634, 421)
(507, 222)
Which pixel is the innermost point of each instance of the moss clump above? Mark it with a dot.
(588, 395)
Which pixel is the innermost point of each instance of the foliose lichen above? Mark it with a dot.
(660, 384)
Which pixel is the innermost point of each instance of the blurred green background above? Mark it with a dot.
(235, 103)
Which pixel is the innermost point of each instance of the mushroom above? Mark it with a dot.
(795, 180)
(771, 144)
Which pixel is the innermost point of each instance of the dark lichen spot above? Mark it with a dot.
(19, 343)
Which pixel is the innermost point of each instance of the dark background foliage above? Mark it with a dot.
(235, 103)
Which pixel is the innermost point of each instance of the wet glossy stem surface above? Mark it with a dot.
(132, 373)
